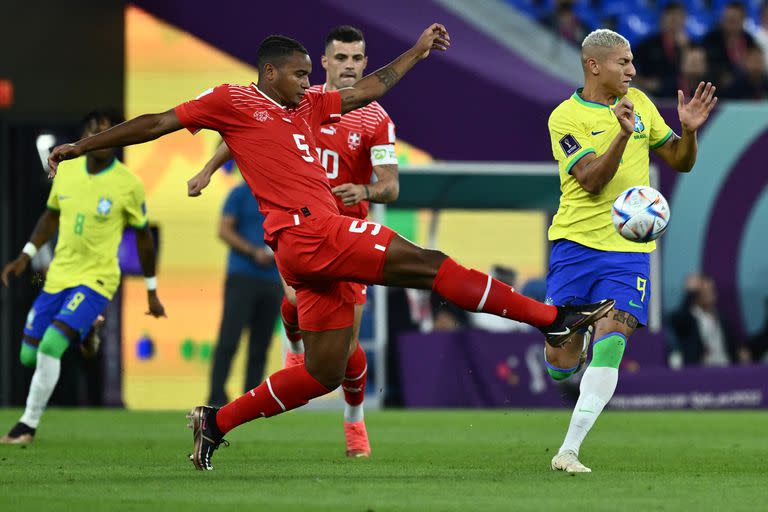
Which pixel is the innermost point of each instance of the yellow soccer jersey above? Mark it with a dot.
(93, 211)
(578, 127)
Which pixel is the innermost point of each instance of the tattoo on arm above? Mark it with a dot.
(380, 196)
(387, 76)
(625, 318)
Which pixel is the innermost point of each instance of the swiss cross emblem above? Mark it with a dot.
(354, 140)
(262, 115)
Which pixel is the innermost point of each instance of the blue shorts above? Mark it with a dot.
(580, 275)
(76, 307)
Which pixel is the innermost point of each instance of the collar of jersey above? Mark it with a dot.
(103, 171)
(591, 104)
(267, 97)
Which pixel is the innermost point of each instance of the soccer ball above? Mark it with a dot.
(640, 214)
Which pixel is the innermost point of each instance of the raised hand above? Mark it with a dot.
(433, 38)
(695, 112)
(60, 153)
(625, 113)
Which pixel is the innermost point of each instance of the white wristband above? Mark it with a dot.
(151, 283)
(30, 250)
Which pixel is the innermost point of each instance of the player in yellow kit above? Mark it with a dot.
(92, 200)
(601, 137)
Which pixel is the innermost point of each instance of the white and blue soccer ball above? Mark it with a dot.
(640, 214)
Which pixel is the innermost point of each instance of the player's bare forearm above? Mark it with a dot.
(387, 187)
(219, 158)
(45, 228)
(375, 85)
(680, 152)
(594, 174)
(145, 246)
(140, 129)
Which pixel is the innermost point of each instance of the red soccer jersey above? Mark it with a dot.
(272, 146)
(345, 148)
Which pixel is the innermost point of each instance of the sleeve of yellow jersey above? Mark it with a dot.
(53, 196)
(136, 211)
(660, 131)
(570, 141)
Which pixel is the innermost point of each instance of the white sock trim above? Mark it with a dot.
(485, 295)
(41, 388)
(269, 385)
(353, 413)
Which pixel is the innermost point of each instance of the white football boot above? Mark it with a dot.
(568, 461)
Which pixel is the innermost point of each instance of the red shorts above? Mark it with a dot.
(320, 255)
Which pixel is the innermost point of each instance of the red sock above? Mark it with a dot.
(355, 377)
(282, 391)
(475, 291)
(290, 315)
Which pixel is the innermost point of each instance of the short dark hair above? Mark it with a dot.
(345, 34)
(275, 49)
(112, 115)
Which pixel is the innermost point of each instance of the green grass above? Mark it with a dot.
(87, 460)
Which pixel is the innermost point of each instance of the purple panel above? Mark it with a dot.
(479, 369)
(740, 192)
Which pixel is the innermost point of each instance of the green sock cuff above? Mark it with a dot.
(28, 355)
(54, 343)
(559, 375)
(608, 350)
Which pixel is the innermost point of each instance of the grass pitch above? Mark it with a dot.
(90, 460)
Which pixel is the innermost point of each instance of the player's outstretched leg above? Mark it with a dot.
(53, 345)
(410, 266)
(284, 390)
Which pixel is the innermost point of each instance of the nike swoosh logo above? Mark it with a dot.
(566, 331)
(632, 303)
(585, 410)
(61, 198)
(598, 133)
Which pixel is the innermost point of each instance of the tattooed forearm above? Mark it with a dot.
(387, 76)
(625, 318)
(380, 195)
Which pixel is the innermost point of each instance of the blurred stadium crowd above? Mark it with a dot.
(677, 43)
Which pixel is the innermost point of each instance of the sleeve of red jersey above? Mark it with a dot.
(382, 141)
(326, 108)
(208, 110)
(384, 133)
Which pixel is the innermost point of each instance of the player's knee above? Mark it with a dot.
(329, 375)
(28, 355)
(431, 260)
(54, 342)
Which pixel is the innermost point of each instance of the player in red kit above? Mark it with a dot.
(269, 128)
(361, 144)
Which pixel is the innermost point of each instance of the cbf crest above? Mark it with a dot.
(353, 140)
(639, 126)
(104, 206)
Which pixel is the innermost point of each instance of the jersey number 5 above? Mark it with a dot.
(299, 139)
